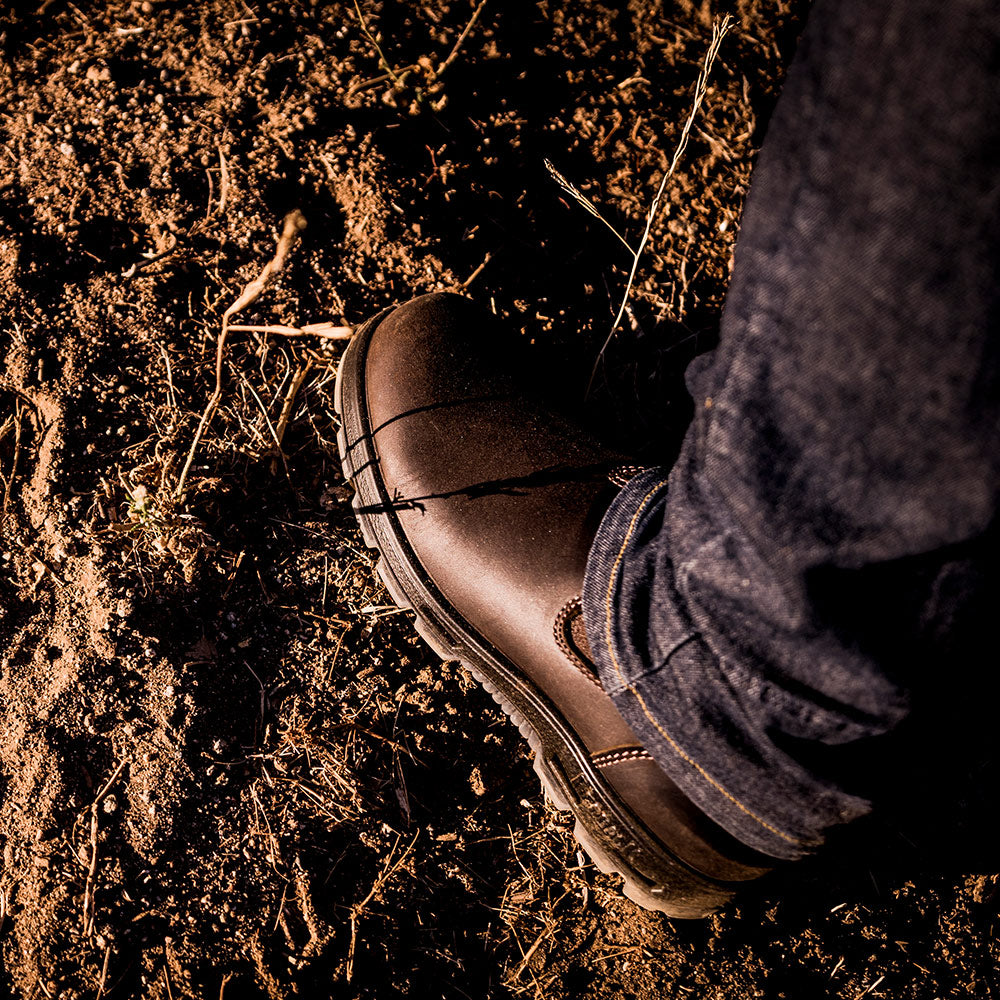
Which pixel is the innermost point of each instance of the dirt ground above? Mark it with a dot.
(229, 768)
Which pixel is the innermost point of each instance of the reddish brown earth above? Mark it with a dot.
(229, 768)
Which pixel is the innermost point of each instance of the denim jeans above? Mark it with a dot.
(822, 558)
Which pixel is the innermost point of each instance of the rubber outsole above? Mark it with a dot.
(615, 839)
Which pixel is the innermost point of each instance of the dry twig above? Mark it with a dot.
(104, 972)
(475, 274)
(388, 870)
(223, 183)
(383, 62)
(399, 75)
(291, 229)
(325, 331)
(12, 425)
(88, 889)
(461, 39)
(151, 258)
(286, 409)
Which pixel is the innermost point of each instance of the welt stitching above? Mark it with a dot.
(618, 756)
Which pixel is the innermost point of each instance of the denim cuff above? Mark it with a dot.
(698, 714)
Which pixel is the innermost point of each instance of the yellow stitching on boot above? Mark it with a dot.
(642, 704)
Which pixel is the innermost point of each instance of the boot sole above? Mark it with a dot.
(614, 838)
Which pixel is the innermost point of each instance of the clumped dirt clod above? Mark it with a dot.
(229, 768)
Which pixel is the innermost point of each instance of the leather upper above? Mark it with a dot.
(499, 498)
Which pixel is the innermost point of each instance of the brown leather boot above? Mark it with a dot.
(483, 503)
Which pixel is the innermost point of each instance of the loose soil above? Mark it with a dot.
(229, 767)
